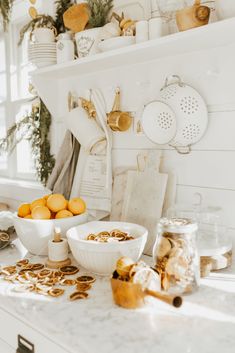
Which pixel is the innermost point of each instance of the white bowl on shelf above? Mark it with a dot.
(116, 43)
(34, 234)
(101, 258)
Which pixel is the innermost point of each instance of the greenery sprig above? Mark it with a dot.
(35, 128)
(5, 11)
(41, 21)
(99, 12)
(61, 7)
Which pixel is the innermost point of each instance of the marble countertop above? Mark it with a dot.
(205, 323)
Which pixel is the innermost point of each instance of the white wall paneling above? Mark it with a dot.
(210, 168)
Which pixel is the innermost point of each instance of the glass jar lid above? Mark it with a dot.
(177, 225)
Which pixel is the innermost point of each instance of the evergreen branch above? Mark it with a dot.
(35, 128)
(99, 12)
(5, 10)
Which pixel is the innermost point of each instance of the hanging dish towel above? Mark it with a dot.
(93, 178)
(61, 179)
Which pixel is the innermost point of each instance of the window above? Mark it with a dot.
(14, 100)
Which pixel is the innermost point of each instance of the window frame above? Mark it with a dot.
(11, 104)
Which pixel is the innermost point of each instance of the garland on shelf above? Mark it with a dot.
(34, 127)
(5, 11)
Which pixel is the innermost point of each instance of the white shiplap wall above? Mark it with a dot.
(210, 168)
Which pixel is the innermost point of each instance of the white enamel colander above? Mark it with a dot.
(159, 122)
(190, 110)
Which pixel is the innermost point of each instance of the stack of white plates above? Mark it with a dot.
(42, 54)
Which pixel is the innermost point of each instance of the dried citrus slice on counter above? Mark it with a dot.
(38, 202)
(41, 212)
(77, 206)
(24, 210)
(63, 214)
(56, 203)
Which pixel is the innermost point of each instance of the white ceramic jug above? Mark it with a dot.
(65, 48)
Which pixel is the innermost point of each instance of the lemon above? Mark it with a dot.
(41, 212)
(77, 206)
(24, 210)
(63, 214)
(56, 203)
(29, 216)
(38, 202)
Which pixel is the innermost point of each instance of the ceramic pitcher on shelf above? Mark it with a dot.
(65, 49)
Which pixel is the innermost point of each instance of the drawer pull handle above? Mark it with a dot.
(24, 346)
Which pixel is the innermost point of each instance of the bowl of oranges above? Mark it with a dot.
(35, 222)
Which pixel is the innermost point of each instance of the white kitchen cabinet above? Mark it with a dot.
(12, 326)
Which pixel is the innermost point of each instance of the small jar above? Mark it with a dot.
(175, 255)
(65, 48)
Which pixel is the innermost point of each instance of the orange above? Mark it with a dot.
(38, 202)
(56, 203)
(77, 206)
(63, 214)
(29, 216)
(45, 197)
(41, 212)
(24, 210)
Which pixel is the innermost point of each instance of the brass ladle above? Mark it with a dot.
(131, 295)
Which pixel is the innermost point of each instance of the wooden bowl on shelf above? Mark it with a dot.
(193, 16)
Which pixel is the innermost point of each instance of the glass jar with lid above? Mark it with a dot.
(214, 240)
(175, 255)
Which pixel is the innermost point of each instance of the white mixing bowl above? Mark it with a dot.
(101, 258)
(34, 234)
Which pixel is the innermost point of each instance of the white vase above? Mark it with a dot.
(64, 48)
(225, 8)
(87, 42)
(44, 35)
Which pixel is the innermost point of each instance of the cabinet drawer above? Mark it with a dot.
(5, 348)
(11, 327)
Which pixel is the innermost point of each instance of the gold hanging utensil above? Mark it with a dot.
(89, 107)
(118, 120)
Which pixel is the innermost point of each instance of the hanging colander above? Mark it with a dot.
(190, 110)
(159, 122)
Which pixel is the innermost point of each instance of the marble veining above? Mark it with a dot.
(205, 323)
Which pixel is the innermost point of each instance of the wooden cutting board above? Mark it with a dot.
(119, 187)
(170, 195)
(143, 201)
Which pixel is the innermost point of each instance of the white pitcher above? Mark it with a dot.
(65, 49)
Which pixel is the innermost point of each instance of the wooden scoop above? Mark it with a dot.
(131, 296)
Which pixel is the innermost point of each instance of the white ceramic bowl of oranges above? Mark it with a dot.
(35, 222)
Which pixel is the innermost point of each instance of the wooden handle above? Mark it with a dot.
(176, 301)
(57, 235)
